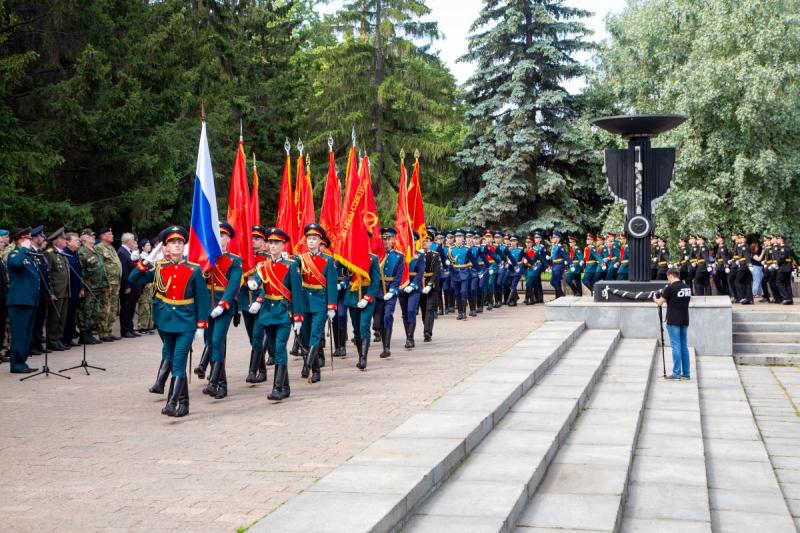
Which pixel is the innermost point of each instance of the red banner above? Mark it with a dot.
(255, 206)
(287, 211)
(304, 199)
(239, 211)
(371, 220)
(404, 242)
(416, 208)
(331, 203)
(353, 248)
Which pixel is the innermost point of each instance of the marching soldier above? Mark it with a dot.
(721, 258)
(245, 300)
(703, 268)
(223, 282)
(744, 278)
(278, 308)
(391, 276)
(437, 246)
(448, 284)
(340, 323)
(692, 261)
(590, 266)
(526, 258)
(559, 259)
(573, 276)
(94, 276)
(653, 257)
(181, 306)
(610, 257)
(360, 301)
(663, 259)
(514, 252)
(459, 259)
(783, 257)
(771, 271)
(478, 275)
(500, 250)
(319, 294)
(22, 299)
(109, 297)
(622, 262)
(410, 295)
(58, 266)
(684, 254)
(536, 266)
(429, 299)
(733, 269)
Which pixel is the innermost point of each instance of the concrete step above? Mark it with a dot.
(766, 347)
(376, 489)
(772, 337)
(586, 485)
(743, 490)
(766, 327)
(669, 487)
(779, 315)
(489, 490)
(767, 359)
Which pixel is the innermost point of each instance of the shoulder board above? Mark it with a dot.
(162, 261)
(373, 255)
(233, 255)
(193, 264)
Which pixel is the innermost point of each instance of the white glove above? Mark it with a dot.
(616, 265)
(252, 284)
(198, 335)
(25, 243)
(285, 255)
(342, 285)
(671, 265)
(603, 267)
(331, 314)
(547, 257)
(218, 310)
(255, 308)
(153, 255)
(446, 262)
(409, 289)
(581, 263)
(427, 289)
(727, 270)
(362, 303)
(135, 255)
(710, 269)
(388, 296)
(297, 327)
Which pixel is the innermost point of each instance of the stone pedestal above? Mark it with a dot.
(710, 319)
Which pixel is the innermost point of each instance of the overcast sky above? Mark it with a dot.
(456, 16)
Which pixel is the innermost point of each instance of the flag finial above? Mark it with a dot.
(287, 146)
(241, 131)
(416, 153)
(402, 154)
(330, 142)
(202, 111)
(300, 146)
(353, 135)
(254, 160)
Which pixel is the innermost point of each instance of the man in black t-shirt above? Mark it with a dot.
(677, 296)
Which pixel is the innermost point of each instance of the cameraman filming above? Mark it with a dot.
(677, 296)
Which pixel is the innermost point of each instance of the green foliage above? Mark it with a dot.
(526, 157)
(731, 67)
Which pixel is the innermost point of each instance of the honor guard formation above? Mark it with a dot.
(79, 285)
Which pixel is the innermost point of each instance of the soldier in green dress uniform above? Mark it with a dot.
(22, 299)
(58, 264)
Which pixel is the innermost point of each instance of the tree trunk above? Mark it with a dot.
(378, 109)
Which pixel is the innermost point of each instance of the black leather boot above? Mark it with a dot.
(321, 353)
(386, 337)
(183, 399)
(161, 377)
(362, 354)
(312, 353)
(480, 303)
(213, 379)
(498, 298)
(286, 390)
(200, 369)
(222, 388)
(270, 361)
(251, 374)
(473, 306)
(341, 348)
(277, 383)
(175, 389)
(488, 300)
(410, 335)
(377, 335)
(261, 374)
(315, 374)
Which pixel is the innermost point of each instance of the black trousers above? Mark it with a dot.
(702, 284)
(732, 287)
(127, 308)
(721, 281)
(784, 282)
(772, 280)
(744, 284)
(428, 304)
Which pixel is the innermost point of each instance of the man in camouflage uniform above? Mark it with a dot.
(144, 307)
(109, 298)
(94, 276)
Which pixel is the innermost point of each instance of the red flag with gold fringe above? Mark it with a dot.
(353, 245)
(404, 242)
(371, 211)
(239, 211)
(331, 203)
(287, 210)
(416, 208)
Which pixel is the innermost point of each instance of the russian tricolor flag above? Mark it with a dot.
(204, 246)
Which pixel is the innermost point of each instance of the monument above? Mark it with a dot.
(638, 176)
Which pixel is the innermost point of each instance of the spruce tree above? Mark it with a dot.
(523, 152)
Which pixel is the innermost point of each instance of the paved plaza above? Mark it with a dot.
(95, 454)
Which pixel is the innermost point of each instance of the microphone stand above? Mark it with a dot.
(84, 365)
(45, 369)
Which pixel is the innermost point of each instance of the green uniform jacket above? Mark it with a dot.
(369, 292)
(93, 268)
(111, 262)
(24, 279)
(276, 309)
(246, 297)
(318, 299)
(181, 302)
(229, 266)
(59, 272)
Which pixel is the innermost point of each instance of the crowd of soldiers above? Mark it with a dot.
(69, 287)
(78, 285)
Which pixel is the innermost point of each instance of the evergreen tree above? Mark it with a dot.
(524, 153)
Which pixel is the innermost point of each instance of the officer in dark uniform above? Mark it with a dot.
(45, 295)
(340, 322)
(76, 289)
(410, 294)
(319, 294)
(703, 268)
(771, 273)
(733, 269)
(653, 257)
(662, 259)
(391, 276)
(360, 300)
(278, 308)
(58, 266)
(244, 300)
(744, 278)
(514, 253)
(721, 257)
(22, 300)
(783, 256)
(223, 282)
(459, 258)
(181, 306)
(692, 261)
(430, 298)
(559, 259)
(682, 263)
(573, 275)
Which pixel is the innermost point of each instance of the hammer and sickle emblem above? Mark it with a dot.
(370, 220)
